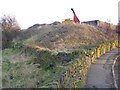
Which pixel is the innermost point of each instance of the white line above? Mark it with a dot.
(113, 72)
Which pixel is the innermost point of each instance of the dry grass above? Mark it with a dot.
(19, 69)
(67, 36)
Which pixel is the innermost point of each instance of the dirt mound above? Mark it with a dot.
(64, 36)
(36, 54)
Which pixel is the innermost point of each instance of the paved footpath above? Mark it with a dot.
(100, 73)
(117, 71)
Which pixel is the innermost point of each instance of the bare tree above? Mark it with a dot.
(9, 23)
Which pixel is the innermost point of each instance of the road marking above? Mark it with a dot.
(113, 72)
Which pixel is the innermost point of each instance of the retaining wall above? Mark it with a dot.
(75, 75)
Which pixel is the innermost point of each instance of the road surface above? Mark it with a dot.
(117, 71)
(100, 73)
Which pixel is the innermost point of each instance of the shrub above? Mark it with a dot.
(9, 23)
(7, 38)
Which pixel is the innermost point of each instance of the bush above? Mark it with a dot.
(7, 38)
(9, 23)
(10, 29)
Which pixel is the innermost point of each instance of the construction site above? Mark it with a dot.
(62, 54)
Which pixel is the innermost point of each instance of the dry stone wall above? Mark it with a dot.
(76, 74)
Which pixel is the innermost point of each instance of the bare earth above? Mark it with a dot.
(100, 74)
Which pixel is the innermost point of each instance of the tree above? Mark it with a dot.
(10, 28)
(9, 23)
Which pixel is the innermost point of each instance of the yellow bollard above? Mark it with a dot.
(98, 52)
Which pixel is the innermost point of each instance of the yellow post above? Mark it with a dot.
(98, 52)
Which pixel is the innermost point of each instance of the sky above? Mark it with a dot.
(30, 12)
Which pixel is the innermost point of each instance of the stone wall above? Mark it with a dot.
(76, 74)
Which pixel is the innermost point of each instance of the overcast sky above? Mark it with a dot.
(29, 12)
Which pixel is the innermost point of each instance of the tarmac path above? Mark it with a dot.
(100, 74)
(117, 71)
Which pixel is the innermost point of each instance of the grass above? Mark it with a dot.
(29, 67)
(25, 66)
(26, 73)
(81, 83)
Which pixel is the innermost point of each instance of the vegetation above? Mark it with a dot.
(22, 70)
(10, 29)
(9, 23)
(38, 57)
(118, 29)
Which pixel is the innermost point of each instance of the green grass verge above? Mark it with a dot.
(18, 72)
